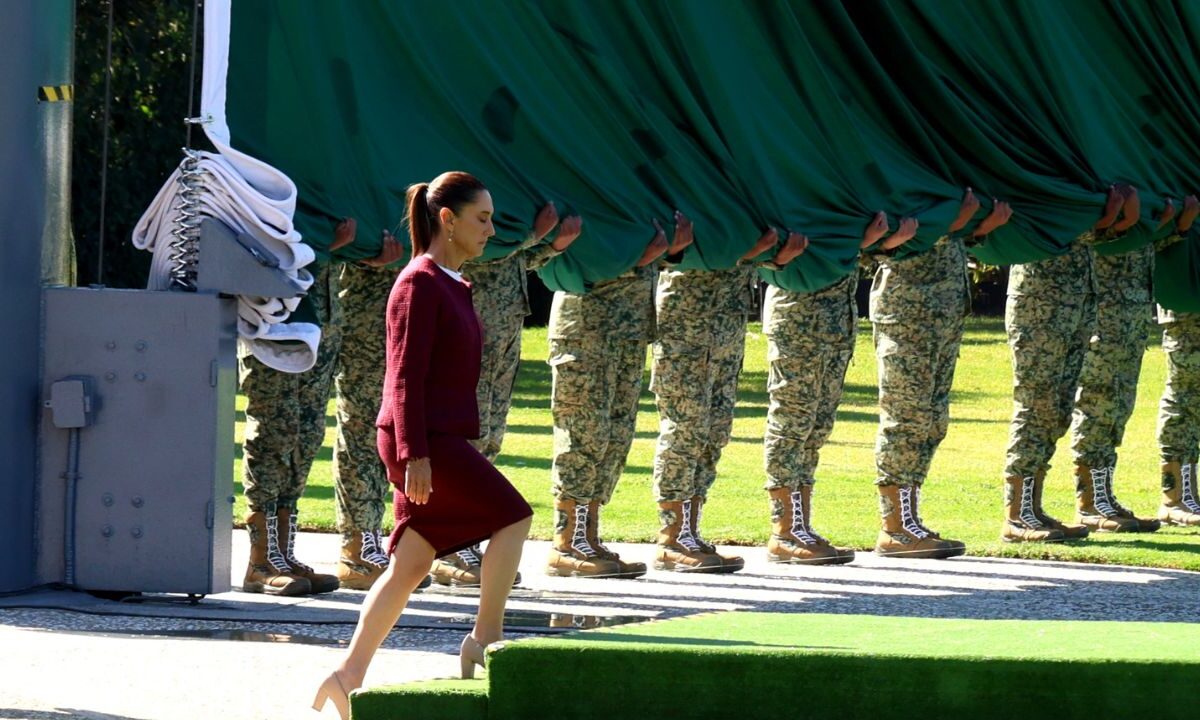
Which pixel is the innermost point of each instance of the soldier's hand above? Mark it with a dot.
(1131, 209)
(906, 232)
(876, 230)
(343, 233)
(966, 211)
(1167, 214)
(655, 248)
(765, 242)
(568, 230)
(1112, 207)
(1191, 208)
(793, 247)
(418, 480)
(389, 252)
(545, 221)
(684, 234)
(1000, 215)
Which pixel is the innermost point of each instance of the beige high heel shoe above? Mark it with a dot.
(332, 689)
(470, 654)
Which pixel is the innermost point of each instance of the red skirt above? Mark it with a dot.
(470, 501)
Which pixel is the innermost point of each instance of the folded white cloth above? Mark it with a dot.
(250, 197)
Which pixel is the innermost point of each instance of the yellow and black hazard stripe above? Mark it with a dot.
(56, 93)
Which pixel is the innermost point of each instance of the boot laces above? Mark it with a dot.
(290, 551)
(470, 556)
(1027, 515)
(1187, 473)
(907, 518)
(1101, 499)
(1112, 495)
(579, 538)
(274, 556)
(687, 536)
(370, 549)
(799, 528)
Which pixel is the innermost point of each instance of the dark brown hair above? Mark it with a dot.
(425, 200)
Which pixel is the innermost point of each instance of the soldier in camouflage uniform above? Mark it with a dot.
(810, 341)
(285, 427)
(697, 359)
(1050, 317)
(360, 480)
(917, 309)
(597, 354)
(1108, 388)
(1179, 419)
(500, 291)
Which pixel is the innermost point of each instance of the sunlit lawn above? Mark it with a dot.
(963, 494)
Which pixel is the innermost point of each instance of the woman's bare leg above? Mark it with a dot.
(499, 570)
(384, 603)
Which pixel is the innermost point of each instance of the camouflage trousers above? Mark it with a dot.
(285, 414)
(360, 480)
(1048, 334)
(810, 343)
(594, 403)
(1108, 382)
(696, 389)
(916, 371)
(497, 378)
(1179, 410)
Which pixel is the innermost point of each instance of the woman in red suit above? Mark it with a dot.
(447, 495)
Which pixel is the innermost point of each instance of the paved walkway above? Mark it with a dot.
(239, 657)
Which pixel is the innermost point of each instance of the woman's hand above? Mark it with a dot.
(545, 221)
(1191, 208)
(418, 480)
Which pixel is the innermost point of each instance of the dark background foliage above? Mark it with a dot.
(151, 61)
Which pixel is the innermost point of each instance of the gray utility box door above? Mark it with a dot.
(155, 477)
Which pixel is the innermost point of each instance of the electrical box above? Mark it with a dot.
(146, 381)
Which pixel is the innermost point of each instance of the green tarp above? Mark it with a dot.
(808, 115)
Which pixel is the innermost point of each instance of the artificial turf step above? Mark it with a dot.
(425, 700)
(752, 666)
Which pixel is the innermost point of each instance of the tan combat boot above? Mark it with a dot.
(1093, 502)
(1144, 524)
(628, 570)
(954, 547)
(572, 555)
(268, 571)
(362, 561)
(1179, 504)
(288, 528)
(901, 535)
(694, 510)
(677, 547)
(1021, 521)
(1069, 532)
(791, 541)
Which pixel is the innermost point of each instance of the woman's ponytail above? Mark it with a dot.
(419, 218)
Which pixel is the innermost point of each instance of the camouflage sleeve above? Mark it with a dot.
(537, 256)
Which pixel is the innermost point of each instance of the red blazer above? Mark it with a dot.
(434, 346)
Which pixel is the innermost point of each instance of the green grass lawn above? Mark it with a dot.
(963, 494)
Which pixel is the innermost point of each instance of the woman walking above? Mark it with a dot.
(448, 496)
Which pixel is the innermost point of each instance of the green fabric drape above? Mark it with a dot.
(806, 115)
